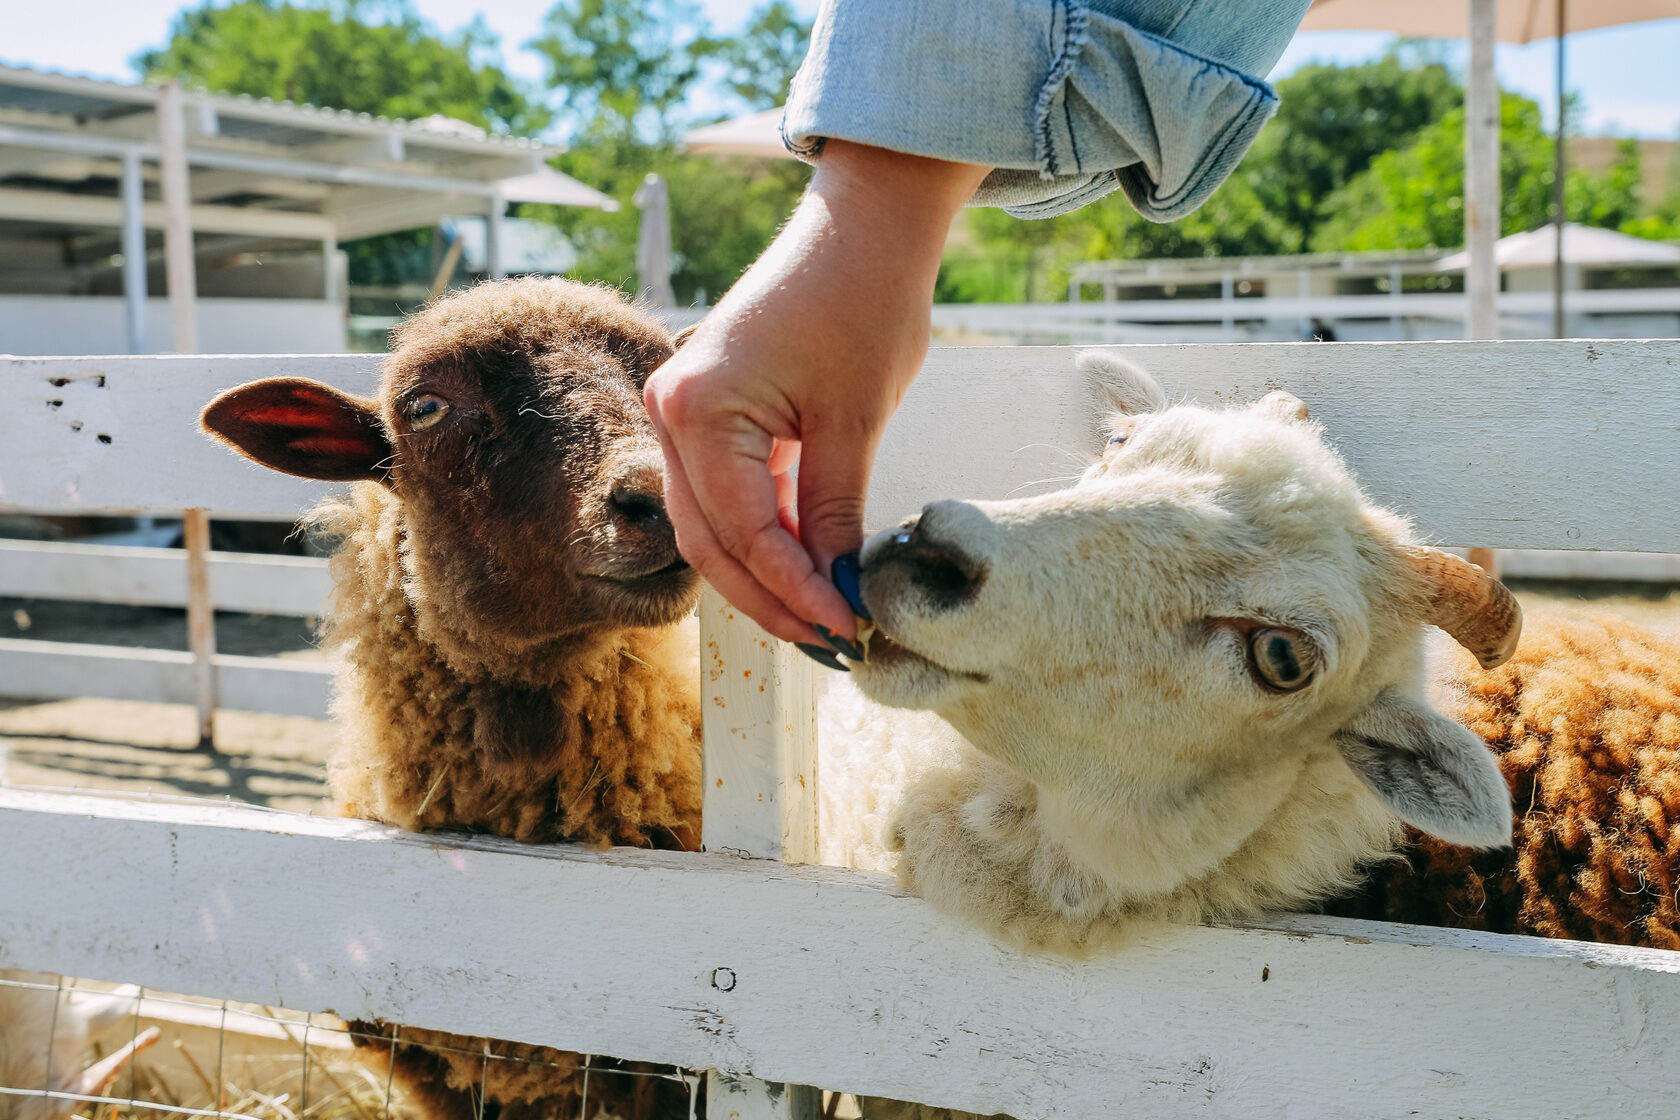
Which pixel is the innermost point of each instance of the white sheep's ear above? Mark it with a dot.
(1118, 385)
(1282, 405)
(1434, 773)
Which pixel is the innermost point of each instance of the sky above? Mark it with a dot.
(1627, 75)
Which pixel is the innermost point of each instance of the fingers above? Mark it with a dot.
(700, 548)
(735, 521)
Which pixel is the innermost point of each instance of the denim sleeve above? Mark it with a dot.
(1067, 99)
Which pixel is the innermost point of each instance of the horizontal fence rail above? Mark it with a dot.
(296, 586)
(826, 977)
(1451, 433)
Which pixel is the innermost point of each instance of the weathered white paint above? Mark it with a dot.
(759, 781)
(760, 776)
(1447, 432)
(157, 577)
(156, 460)
(748, 1098)
(818, 976)
(41, 670)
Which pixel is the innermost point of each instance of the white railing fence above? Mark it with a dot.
(744, 962)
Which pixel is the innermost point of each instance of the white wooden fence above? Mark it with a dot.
(789, 974)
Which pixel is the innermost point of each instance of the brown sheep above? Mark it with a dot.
(1585, 722)
(508, 608)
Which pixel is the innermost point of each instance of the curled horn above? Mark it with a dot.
(1478, 611)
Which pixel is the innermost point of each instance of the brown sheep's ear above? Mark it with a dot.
(301, 427)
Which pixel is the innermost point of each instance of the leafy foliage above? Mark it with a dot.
(1413, 198)
(369, 56)
(624, 65)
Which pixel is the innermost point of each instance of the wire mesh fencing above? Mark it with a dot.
(101, 1052)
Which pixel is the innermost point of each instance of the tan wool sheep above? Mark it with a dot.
(1585, 723)
(509, 609)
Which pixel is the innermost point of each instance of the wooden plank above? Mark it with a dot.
(121, 435)
(820, 976)
(63, 670)
(201, 621)
(157, 577)
(1511, 463)
(1462, 437)
(759, 740)
(760, 787)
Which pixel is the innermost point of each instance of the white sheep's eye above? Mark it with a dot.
(1281, 660)
(426, 410)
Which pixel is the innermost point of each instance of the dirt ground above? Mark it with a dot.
(279, 761)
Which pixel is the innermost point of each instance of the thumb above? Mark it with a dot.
(833, 486)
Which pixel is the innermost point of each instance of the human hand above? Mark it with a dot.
(801, 364)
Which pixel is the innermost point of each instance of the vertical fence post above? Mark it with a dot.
(180, 267)
(759, 739)
(201, 621)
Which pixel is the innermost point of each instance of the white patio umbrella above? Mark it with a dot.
(653, 243)
(1513, 21)
(757, 134)
(1583, 247)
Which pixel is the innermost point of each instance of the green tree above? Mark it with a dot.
(760, 62)
(369, 56)
(624, 67)
(1333, 121)
(1413, 198)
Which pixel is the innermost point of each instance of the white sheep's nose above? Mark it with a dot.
(944, 555)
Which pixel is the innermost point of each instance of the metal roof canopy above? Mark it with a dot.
(259, 167)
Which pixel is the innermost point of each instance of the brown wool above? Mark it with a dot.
(615, 755)
(1583, 721)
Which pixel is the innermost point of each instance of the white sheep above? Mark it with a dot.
(1190, 686)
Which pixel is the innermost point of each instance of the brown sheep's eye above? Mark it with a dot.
(1280, 661)
(426, 410)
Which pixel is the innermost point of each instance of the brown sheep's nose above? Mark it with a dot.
(638, 495)
(944, 573)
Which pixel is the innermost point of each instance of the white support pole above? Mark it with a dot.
(331, 290)
(1481, 195)
(494, 236)
(1481, 175)
(760, 779)
(177, 229)
(1396, 284)
(1228, 302)
(134, 251)
(1303, 289)
(1560, 167)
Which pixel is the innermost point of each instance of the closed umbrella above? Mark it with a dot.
(653, 243)
(1511, 21)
